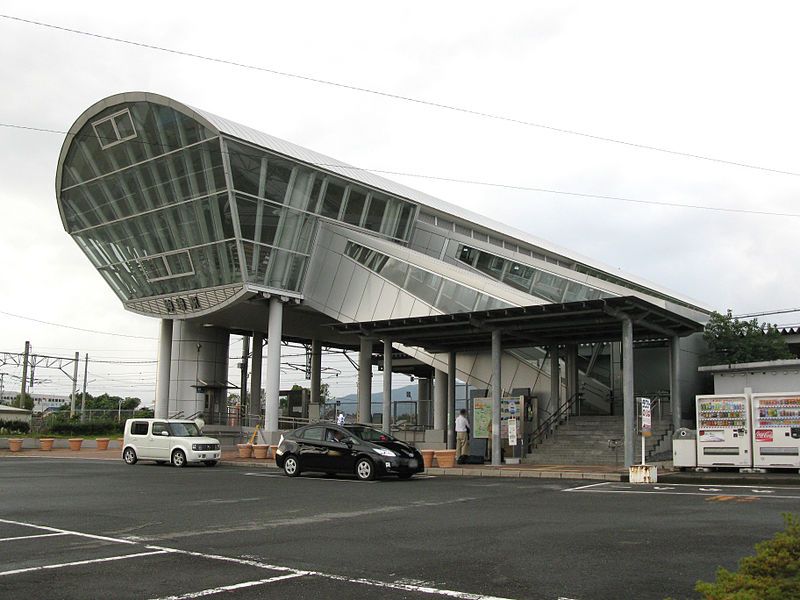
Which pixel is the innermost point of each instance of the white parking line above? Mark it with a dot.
(31, 537)
(689, 489)
(290, 573)
(82, 562)
(235, 586)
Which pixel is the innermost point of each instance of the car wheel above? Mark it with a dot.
(178, 458)
(129, 456)
(405, 475)
(365, 470)
(291, 466)
(210, 463)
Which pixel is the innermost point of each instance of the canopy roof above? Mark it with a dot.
(587, 321)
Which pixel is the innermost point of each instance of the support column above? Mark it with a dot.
(440, 401)
(424, 398)
(555, 383)
(386, 422)
(316, 372)
(365, 381)
(243, 373)
(273, 387)
(497, 391)
(628, 403)
(451, 401)
(162, 371)
(675, 381)
(255, 372)
(571, 360)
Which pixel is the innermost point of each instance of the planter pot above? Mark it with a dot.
(102, 443)
(273, 450)
(46, 444)
(245, 450)
(260, 450)
(15, 445)
(121, 441)
(75, 443)
(446, 458)
(427, 458)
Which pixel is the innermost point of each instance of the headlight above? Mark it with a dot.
(194, 446)
(385, 452)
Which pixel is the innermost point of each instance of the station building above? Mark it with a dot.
(216, 228)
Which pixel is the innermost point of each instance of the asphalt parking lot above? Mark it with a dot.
(87, 529)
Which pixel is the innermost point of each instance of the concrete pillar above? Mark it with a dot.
(451, 401)
(555, 383)
(243, 372)
(571, 364)
(497, 392)
(628, 403)
(163, 369)
(365, 381)
(386, 423)
(440, 401)
(424, 398)
(255, 372)
(273, 387)
(316, 372)
(675, 381)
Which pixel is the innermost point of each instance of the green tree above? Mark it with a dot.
(773, 573)
(733, 341)
(25, 401)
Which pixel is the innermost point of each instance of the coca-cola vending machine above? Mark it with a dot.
(776, 430)
(723, 431)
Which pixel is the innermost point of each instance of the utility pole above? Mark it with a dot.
(24, 374)
(85, 372)
(74, 387)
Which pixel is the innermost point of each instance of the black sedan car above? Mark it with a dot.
(356, 449)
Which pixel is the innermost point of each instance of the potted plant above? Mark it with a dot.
(46, 444)
(102, 443)
(15, 444)
(446, 458)
(427, 458)
(260, 450)
(75, 443)
(245, 450)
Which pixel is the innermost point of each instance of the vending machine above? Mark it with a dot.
(723, 431)
(776, 430)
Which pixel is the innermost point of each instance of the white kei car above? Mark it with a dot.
(162, 440)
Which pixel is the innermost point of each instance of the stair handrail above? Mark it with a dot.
(549, 425)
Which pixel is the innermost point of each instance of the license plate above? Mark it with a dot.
(412, 464)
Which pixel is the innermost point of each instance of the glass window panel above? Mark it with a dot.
(423, 284)
(155, 268)
(375, 212)
(489, 264)
(257, 261)
(106, 134)
(355, 206)
(467, 254)
(179, 263)
(278, 174)
(403, 222)
(246, 168)
(456, 298)
(332, 201)
(313, 199)
(519, 276)
(395, 271)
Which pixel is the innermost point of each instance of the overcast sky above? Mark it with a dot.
(714, 79)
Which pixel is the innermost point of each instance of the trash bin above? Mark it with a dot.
(684, 448)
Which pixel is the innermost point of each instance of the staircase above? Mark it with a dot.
(585, 441)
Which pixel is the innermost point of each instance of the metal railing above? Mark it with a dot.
(552, 422)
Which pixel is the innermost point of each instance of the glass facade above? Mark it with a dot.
(528, 279)
(163, 205)
(435, 290)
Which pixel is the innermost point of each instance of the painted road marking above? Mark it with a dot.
(82, 562)
(289, 572)
(688, 489)
(235, 586)
(31, 537)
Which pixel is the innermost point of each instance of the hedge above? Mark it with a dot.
(88, 428)
(14, 426)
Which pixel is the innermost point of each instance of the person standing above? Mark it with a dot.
(340, 419)
(462, 435)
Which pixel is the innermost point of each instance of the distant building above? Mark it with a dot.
(41, 402)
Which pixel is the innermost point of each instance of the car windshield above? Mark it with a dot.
(184, 430)
(368, 434)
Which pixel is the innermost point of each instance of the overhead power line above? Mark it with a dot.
(137, 337)
(400, 97)
(507, 186)
(781, 311)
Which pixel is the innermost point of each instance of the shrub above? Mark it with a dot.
(87, 428)
(773, 573)
(14, 426)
